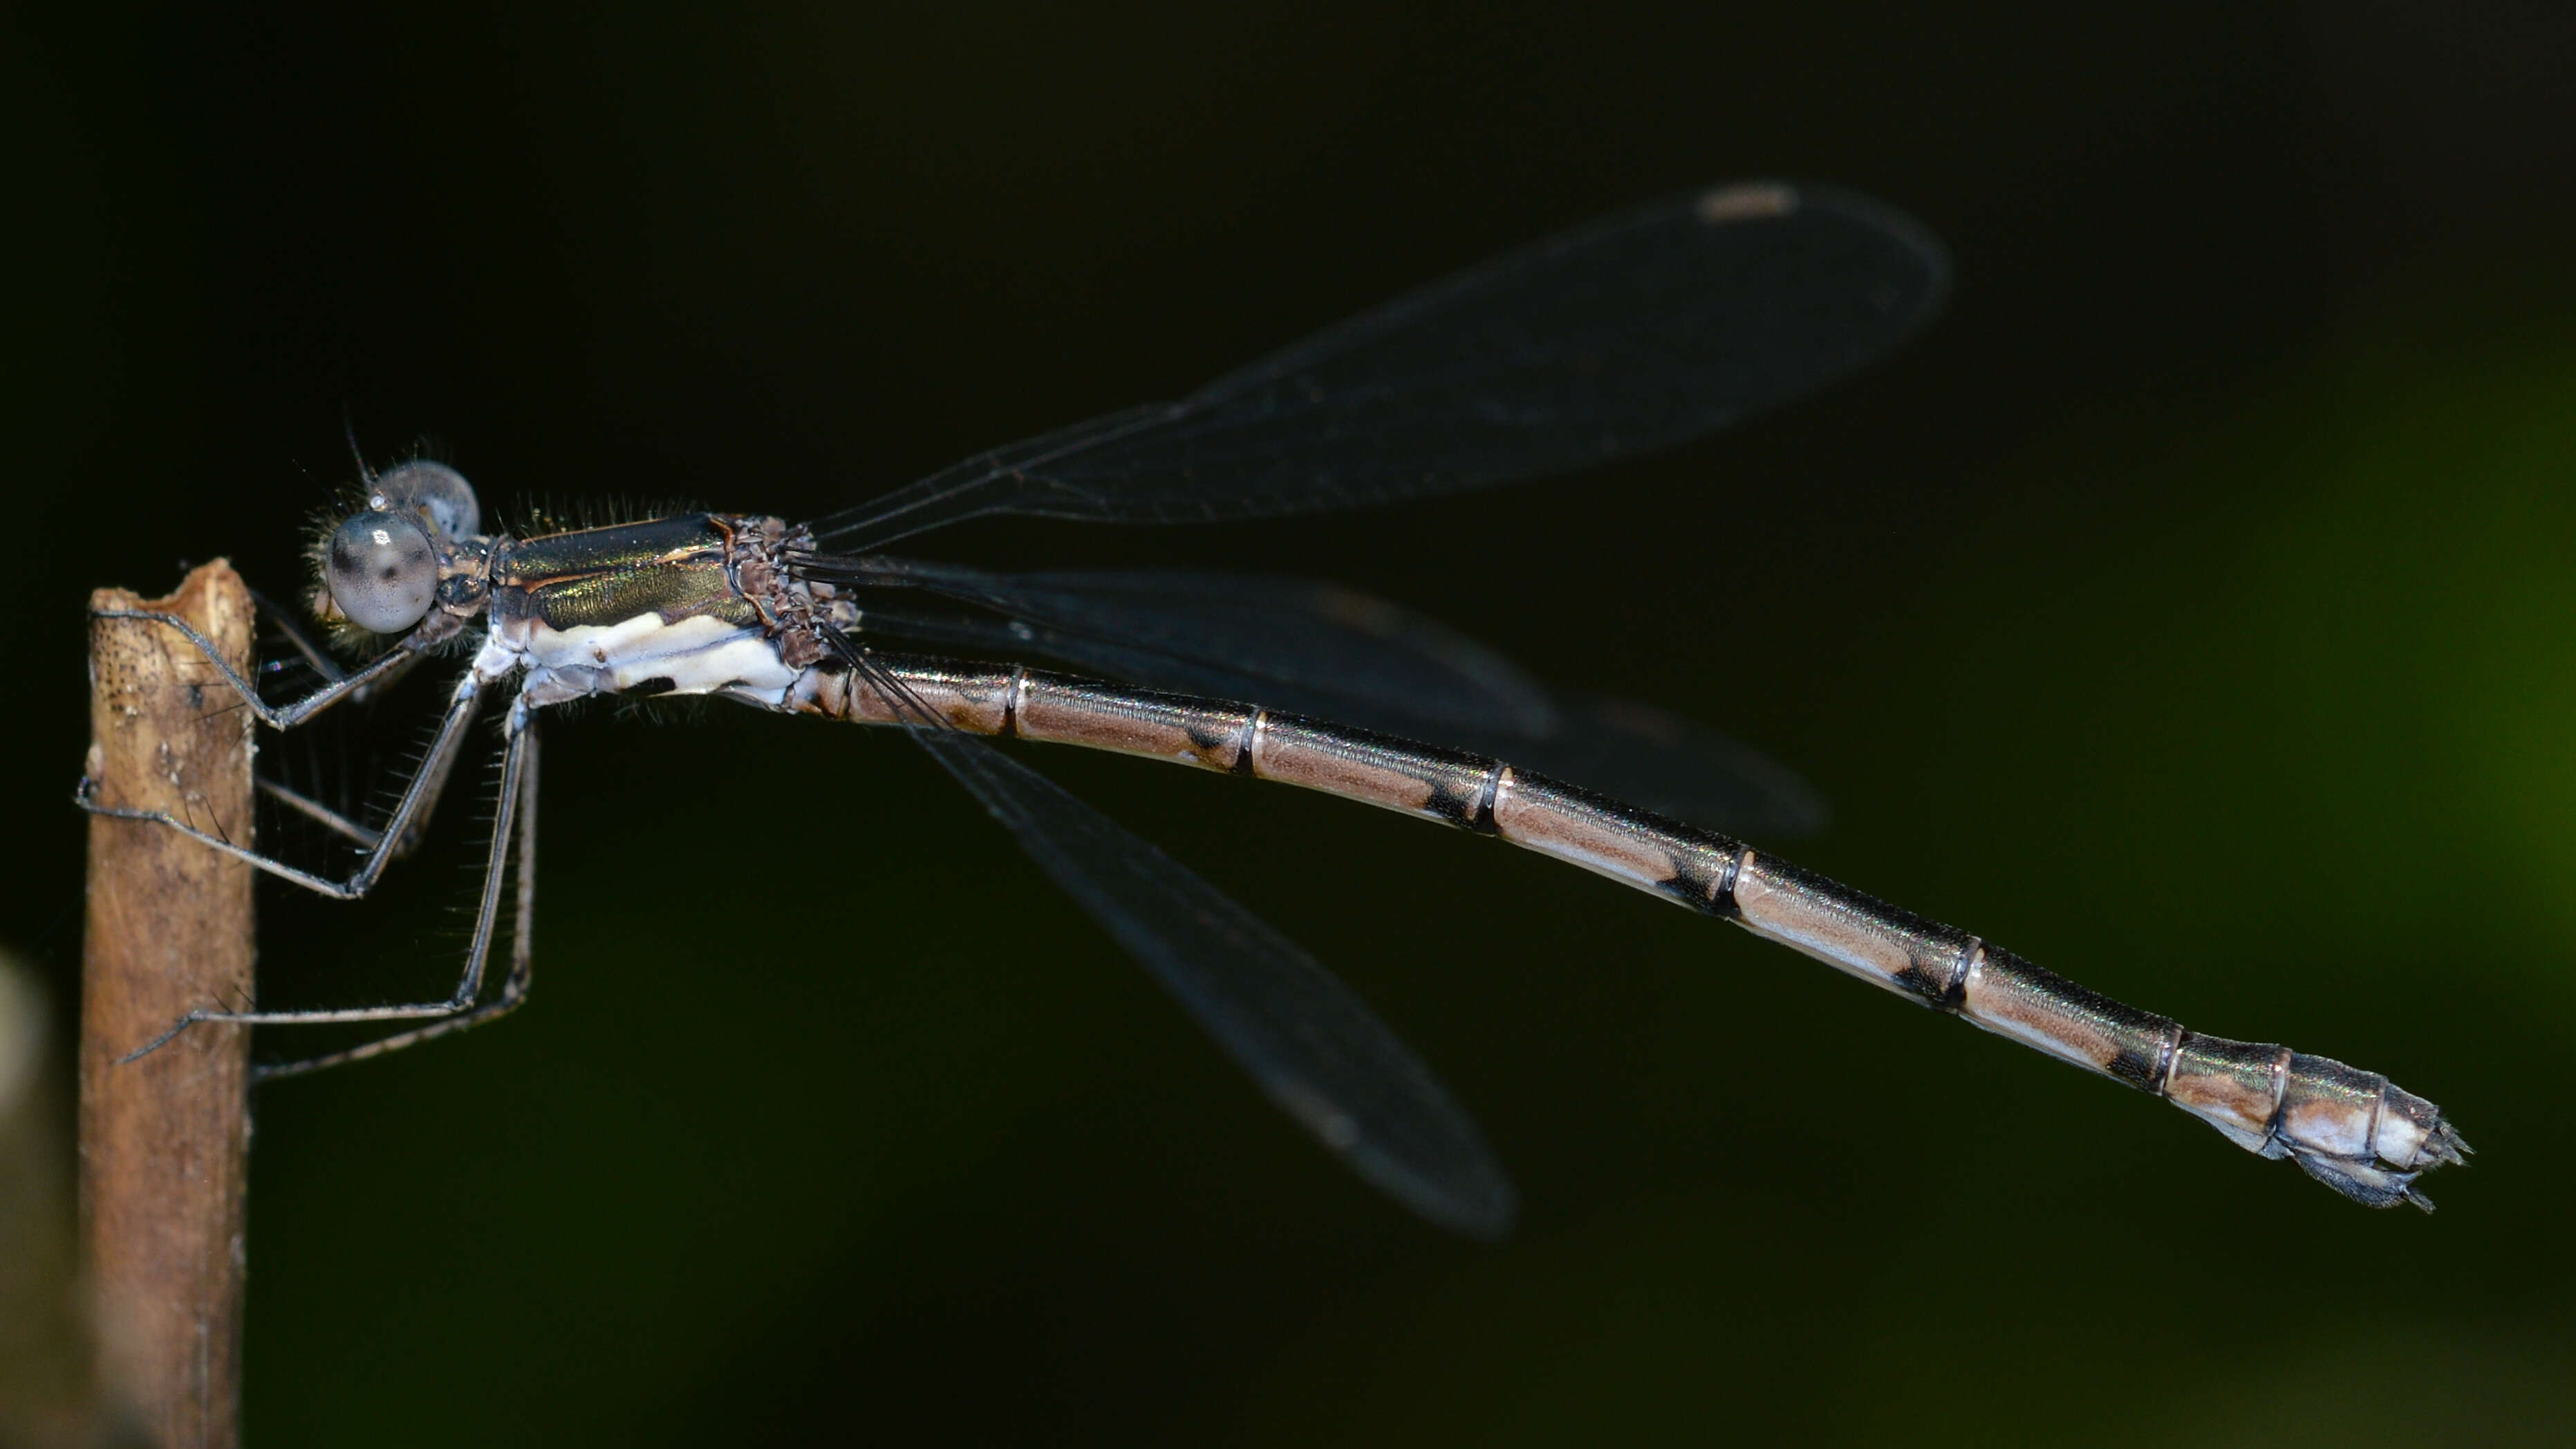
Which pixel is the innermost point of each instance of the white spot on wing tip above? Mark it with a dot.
(1750, 201)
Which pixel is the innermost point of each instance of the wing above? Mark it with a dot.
(1322, 649)
(1630, 334)
(1310, 1044)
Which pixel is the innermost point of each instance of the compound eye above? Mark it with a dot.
(382, 571)
(435, 489)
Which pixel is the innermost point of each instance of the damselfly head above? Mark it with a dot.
(434, 490)
(380, 569)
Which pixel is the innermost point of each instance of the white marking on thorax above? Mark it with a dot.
(697, 655)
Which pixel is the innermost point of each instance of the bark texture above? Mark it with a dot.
(165, 1140)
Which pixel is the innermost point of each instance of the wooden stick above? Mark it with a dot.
(165, 1140)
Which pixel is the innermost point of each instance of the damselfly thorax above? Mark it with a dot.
(691, 605)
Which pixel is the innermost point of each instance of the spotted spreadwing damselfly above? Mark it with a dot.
(1631, 334)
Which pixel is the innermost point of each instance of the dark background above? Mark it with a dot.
(2190, 611)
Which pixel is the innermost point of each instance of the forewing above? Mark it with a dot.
(1627, 335)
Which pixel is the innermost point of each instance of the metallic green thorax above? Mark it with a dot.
(673, 567)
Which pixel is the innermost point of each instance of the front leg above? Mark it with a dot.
(319, 659)
(398, 830)
(280, 717)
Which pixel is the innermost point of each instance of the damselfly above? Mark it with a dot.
(1632, 334)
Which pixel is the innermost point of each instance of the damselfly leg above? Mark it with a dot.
(440, 764)
(464, 1008)
(380, 845)
(514, 827)
(387, 842)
